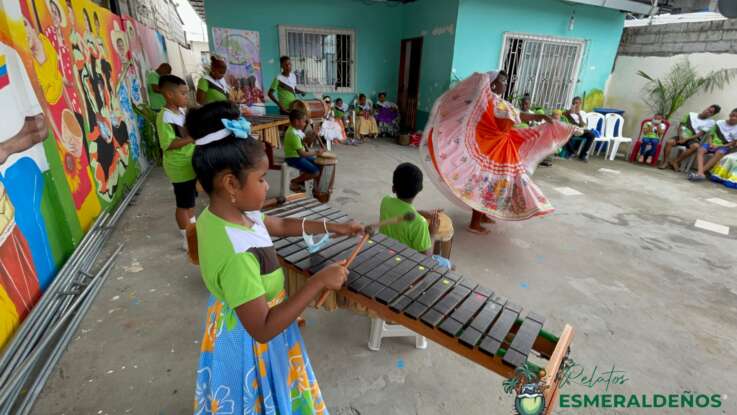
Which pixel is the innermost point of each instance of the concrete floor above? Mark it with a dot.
(646, 291)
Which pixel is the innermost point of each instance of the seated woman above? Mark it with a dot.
(577, 118)
(722, 141)
(365, 122)
(387, 115)
(692, 128)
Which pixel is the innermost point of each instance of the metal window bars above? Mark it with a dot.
(545, 67)
(39, 342)
(322, 59)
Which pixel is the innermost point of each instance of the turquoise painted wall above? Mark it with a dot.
(435, 22)
(378, 32)
(482, 23)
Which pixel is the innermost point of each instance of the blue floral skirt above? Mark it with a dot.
(238, 375)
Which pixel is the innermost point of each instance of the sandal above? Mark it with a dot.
(696, 177)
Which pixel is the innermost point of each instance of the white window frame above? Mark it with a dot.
(283, 29)
(576, 75)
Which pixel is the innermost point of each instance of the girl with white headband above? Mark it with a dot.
(252, 347)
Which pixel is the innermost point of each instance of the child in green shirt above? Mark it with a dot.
(418, 233)
(295, 154)
(177, 147)
(252, 347)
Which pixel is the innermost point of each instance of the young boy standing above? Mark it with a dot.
(177, 147)
(295, 154)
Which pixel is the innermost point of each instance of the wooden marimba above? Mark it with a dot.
(404, 286)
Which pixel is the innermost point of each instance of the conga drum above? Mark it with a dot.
(315, 109)
(324, 182)
(444, 237)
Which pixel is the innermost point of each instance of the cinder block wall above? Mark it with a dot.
(680, 38)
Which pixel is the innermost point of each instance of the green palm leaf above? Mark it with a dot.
(666, 95)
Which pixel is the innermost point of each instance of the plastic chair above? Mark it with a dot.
(596, 122)
(636, 146)
(613, 131)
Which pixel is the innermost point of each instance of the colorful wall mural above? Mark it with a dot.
(70, 75)
(241, 48)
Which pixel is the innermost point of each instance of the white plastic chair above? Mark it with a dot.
(596, 121)
(613, 131)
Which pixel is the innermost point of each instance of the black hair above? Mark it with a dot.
(361, 96)
(167, 81)
(503, 73)
(283, 59)
(716, 108)
(382, 93)
(526, 97)
(339, 99)
(407, 181)
(576, 98)
(87, 19)
(734, 110)
(232, 154)
(217, 60)
(296, 114)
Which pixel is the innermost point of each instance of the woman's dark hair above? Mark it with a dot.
(283, 59)
(233, 154)
(382, 93)
(575, 98)
(339, 99)
(361, 96)
(216, 60)
(716, 108)
(407, 181)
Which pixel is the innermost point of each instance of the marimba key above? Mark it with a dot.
(286, 252)
(432, 317)
(415, 310)
(386, 296)
(399, 304)
(484, 291)
(417, 257)
(488, 314)
(326, 255)
(489, 346)
(299, 205)
(429, 262)
(523, 340)
(469, 307)
(423, 285)
(470, 336)
(451, 327)
(468, 283)
(446, 305)
(372, 289)
(434, 293)
(357, 284)
(409, 279)
(501, 327)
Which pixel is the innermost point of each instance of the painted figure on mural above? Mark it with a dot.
(54, 65)
(129, 86)
(26, 265)
(137, 57)
(108, 146)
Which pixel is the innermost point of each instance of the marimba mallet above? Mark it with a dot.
(368, 232)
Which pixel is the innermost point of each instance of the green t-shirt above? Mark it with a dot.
(293, 142)
(285, 95)
(212, 94)
(415, 234)
(155, 100)
(177, 162)
(238, 264)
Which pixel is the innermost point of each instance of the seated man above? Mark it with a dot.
(722, 141)
(577, 118)
(692, 128)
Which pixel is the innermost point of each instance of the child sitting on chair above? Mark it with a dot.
(295, 154)
(331, 129)
(417, 233)
(365, 122)
(652, 132)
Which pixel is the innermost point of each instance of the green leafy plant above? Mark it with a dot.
(666, 95)
(149, 139)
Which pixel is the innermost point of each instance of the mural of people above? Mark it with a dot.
(26, 264)
(53, 65)
(129, 86)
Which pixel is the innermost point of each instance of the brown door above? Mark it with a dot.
(409, 82)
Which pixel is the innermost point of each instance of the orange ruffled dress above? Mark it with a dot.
(478, 160)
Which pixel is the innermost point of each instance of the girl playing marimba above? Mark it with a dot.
(252, 354)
